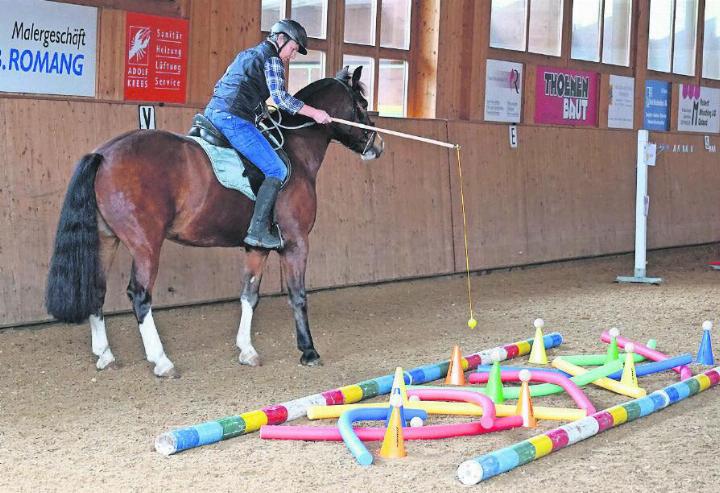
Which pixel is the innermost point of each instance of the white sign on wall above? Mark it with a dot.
(698, 109)
(47, 48)
(621, 102)
(503, 91)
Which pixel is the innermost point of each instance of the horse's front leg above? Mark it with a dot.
(293, 260)
(254, 265)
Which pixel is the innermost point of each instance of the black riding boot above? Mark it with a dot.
(259, 233)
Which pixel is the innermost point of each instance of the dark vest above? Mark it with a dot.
(243, 90)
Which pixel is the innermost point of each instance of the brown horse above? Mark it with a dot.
(146, 186)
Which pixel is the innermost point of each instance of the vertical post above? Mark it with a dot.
(642, 205)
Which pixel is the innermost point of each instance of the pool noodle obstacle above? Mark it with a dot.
(604, 382)
(453, 408)
(550, 388)
(486, 466)
(429, 432)
(601, 359)
(210, 432)
(649, 353)
(564, 382)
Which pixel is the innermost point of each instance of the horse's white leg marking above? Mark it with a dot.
(248, 355)
(100, 346)
(153, 346)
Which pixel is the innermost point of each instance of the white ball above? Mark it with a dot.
(629, 347)
(614, 332)
(416, 422)
(524, 375)
(707, 325)
(539, 323)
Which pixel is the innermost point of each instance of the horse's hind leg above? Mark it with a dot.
(252, 275)
(142, 279)
(100, 345)
(293, 260)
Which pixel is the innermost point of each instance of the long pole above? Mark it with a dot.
(486, 466)
(398, 134)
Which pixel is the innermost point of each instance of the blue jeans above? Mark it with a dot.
(248, 140)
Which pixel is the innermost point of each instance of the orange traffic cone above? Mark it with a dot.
(524, 405)
(393, 446)
(455, 374)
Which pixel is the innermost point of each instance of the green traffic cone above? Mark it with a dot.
(494, 387)
(613, 352)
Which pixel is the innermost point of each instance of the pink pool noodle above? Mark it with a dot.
(540, 376)
(487, 405)
(649, 353)
(432, 432)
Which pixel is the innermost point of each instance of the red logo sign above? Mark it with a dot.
(156, 58)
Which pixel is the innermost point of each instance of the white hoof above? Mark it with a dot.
(250, 358)
(165, 368)
(105, 359)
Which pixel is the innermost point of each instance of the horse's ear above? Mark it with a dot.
(343, 74)
(356, 75)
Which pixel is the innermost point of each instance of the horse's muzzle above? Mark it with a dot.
(373, 148)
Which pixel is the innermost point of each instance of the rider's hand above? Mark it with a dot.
(321, 116)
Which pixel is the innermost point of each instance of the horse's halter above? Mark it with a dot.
(369, 134)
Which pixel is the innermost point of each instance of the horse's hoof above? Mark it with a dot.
(165, 369)
(249, 358)
(310, 358)
(106, 360)
(113, 365)
(169, 373)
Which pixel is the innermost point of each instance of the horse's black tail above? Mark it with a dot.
(75, 277)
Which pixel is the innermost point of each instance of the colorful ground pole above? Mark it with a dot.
(209, 432)
(486, 466)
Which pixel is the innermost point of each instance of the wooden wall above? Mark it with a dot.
(563, 193)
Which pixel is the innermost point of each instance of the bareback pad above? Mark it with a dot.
(231, 168)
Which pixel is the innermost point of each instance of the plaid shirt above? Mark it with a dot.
(275, 77)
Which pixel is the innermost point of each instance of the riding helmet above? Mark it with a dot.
(294, 31)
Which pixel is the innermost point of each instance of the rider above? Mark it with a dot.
(238, 101)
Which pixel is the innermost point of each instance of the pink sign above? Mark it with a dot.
(566, 97)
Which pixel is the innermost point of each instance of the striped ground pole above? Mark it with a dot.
(214, 431)
(486, 466)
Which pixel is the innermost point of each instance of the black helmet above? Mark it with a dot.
(293, 30)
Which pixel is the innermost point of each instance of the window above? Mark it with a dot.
(509, 25)
(360, 18)
(616, 32)
(383, 50)
(312, 14)
(374, 34)
(392, 92)
(368, 72)
(612, 18)
(711, 43)
(673, 36)
(586, 31)
(306, 69)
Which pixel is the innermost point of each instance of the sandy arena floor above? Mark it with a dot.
(66, 427)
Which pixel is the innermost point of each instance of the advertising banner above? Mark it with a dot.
(156, 53)
(47, 48)
(698, 109)
(566, 97)
(621, 102)
(503, 91)
(656, 113)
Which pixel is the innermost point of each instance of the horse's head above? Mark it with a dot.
(355, 108)
(343, 97)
